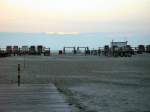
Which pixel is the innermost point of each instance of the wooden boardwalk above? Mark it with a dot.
(32, 98)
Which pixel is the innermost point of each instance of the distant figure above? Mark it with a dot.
(60, 52)
(99, 52)
(74, 52)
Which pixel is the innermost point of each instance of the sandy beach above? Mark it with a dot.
(89, 83)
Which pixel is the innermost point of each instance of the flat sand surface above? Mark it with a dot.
(89, 83)
(32, 98)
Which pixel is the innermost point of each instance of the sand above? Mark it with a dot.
(90, 83)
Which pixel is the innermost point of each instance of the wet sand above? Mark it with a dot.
(32, 98)
(89, 83)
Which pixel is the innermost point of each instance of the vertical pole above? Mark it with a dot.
(49, 52)
(24, 61)
(64, 51)
(18, 74)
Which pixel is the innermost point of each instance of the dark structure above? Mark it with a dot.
(32, 50)
(121, 49)
(148, 48)
(125, 51)
(134, 50)
(86, 50)
(74, 49)
(15, 50)
(99, 52)
(118, 49)
(9, 50)
(25, 50)
(60, 52)
(39, 49)
(47, 52)
(106, 50)
(3, 53)
(141, 49)
(94, 52)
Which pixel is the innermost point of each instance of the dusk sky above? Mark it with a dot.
(73, 16)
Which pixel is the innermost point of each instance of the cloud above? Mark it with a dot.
(62, 33)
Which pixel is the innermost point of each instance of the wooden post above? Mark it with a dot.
(18, 74)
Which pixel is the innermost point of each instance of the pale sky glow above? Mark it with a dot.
(62, 33)
(74, 16)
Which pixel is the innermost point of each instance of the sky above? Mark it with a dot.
(74, 16)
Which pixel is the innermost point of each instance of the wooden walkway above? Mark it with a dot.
(32, 98)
